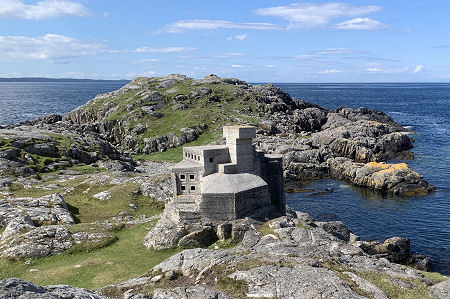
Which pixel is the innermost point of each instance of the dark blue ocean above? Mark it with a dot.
(425, 108)
(21, 101)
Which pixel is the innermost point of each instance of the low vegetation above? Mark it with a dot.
(123, 259)
(418, 290)
(92, 265)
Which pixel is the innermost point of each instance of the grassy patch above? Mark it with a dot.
(420, 291)
(234, 287)
(88, 209)
(265, 229)
(381, 280)
(124, 259)
(226, 244)
(2, 229)
(176, 154)
(434, 276)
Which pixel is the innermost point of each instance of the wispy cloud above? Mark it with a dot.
(337, 51)
(16, 9)
(228, 55)
(373, 69)
(332, 71)
(238, 66)
(146, 60)
(141, 74)
(185, 25)
(419, 69)
(310, 15)
(377, 69)
(163, 50)
(361, 24)
(49, 46)
(238, 37)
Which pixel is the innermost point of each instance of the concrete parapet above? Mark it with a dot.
(228, 168)
(238, 132)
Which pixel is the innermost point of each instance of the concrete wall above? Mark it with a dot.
(213, 157)
(272, 174)
(187, 181)
(248, 201)
(217, 207)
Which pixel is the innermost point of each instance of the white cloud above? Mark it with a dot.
(49, 46)
(373, 69)
(163, 50)
(376, 69)
(237, 37)
(228, 55)
(361, 24)
(185, 25)
(336, 51)
(10, 75)
(74, 75)
(310, 15)
(16, 9)
(332, 71)
(237, 66)
(241, 36)
(146, 60)
(141, 74)
(418, 68)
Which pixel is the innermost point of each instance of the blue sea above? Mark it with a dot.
(21, 101)
(423, 107)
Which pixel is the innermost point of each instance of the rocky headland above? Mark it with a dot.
(80, 183)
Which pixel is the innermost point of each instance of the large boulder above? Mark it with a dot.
(16, 288)
(49, 209)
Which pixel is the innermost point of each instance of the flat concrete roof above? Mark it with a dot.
(187, 164)
(201, 148)
(231, 183)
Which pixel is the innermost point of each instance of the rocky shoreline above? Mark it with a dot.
(288, 256)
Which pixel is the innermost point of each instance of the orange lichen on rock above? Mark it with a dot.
(378, 165)
(388, 167)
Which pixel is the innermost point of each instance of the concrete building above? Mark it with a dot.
(226, 182)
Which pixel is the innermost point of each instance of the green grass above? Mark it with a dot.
(2, 229)
(381, 280)
(236, 288)
(87, 209)
(176, 154)
(124, 259)
(420, 291)
(434, 276)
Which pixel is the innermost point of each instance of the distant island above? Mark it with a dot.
(41, 79)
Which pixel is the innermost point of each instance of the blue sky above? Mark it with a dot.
(258, 41)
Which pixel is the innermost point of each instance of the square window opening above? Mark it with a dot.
(183, 187)
(211, 160)
(192, 188)
(182, 176)
(191, 176)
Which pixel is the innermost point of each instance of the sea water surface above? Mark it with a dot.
(21, 101)
(425, 108)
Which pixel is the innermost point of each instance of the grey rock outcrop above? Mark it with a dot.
(16, 288)
(50, 209)
(45, 241)
(190, 292)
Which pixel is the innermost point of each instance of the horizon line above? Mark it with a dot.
(261, 82)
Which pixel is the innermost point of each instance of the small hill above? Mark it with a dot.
(153, 114)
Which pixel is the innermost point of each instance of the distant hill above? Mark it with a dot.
(39, 79)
